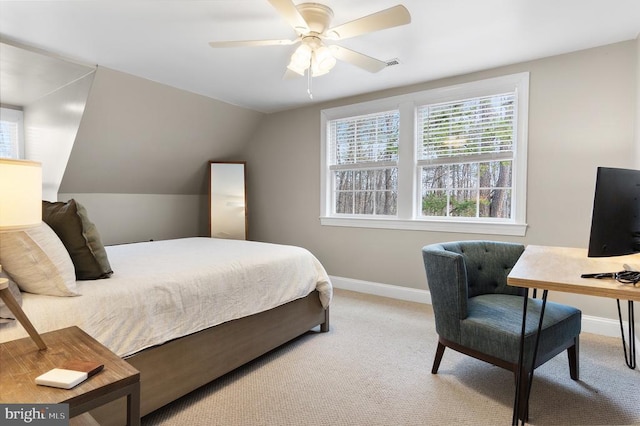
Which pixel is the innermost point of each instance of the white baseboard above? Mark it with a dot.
(385, 290)
(590, 324)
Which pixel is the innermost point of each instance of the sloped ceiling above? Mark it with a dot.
(52, 93)
(142, 137)
(133, 136)
(27, 75)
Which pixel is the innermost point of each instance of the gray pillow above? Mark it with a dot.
(80, 237)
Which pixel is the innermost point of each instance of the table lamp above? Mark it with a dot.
(20, 208)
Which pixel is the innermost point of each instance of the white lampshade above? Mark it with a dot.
(20, 194)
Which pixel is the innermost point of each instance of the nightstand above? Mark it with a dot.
(21, 362)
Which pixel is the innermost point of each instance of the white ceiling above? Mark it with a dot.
(167, 41)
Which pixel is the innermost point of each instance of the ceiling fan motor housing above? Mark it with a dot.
(318, 17)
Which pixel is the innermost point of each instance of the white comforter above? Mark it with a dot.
(162, 290)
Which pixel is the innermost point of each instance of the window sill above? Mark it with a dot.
(464, 227)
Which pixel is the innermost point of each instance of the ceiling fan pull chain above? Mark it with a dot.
(309, 82)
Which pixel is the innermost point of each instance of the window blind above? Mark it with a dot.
(476, 126)
(8, 139)
(370, 138)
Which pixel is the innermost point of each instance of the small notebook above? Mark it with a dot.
(61, 378)
(71, 374)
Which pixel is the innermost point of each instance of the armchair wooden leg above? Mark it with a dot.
(438, 358)
(574, 359)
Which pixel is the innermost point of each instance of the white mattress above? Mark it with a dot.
(162, 290)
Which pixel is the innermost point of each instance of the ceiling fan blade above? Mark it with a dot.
(245, 43)
(288, 10)
(388, 18)
(358, 59)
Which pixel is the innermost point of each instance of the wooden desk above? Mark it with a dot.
(21, 362)
(559, 269)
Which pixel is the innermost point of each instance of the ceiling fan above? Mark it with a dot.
(311, 21)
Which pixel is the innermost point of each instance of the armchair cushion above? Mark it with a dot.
(494, 322)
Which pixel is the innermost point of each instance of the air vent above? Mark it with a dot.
(392, 62)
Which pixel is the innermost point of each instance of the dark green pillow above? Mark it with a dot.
(80, 237)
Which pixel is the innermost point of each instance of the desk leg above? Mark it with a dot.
(521, 403)
(535, 353)
(133, 406)
(629, 356)
(516, 402)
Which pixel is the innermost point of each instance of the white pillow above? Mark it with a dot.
(38, 262)
(5, 313)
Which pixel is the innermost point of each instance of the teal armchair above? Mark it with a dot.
(478, 314)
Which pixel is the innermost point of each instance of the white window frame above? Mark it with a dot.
(408, 217)
(15, 116)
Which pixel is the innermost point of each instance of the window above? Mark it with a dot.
(364, 164)
(447, 159)
(11, 133)
(466, 157)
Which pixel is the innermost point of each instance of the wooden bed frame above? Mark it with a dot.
(180, 366)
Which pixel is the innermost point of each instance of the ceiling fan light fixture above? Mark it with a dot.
(322, 61)
(300, 59)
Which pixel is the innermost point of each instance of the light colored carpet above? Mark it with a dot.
(374, 368)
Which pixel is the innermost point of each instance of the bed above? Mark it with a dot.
(185, 312)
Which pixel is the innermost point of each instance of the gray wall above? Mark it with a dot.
(139, 159)
(582, 115)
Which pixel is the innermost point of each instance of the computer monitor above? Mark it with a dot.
(615, 222)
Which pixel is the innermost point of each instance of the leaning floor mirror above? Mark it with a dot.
(227, 200)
